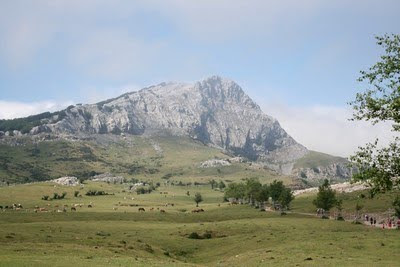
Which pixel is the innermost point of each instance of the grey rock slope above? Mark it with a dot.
(215, 111)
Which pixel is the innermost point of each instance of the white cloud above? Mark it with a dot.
(13, 109)
(327, 128)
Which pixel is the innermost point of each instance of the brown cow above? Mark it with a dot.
(162, 211)
(142, 209)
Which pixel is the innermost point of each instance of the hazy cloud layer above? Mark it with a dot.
(328, 129)
(13, 109)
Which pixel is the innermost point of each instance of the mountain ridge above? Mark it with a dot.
(215, 111)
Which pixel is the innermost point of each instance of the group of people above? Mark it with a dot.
(389, 223)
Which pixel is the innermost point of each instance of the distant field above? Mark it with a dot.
(240, 235)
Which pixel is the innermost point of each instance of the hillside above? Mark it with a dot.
(158, 159)
(316, 166)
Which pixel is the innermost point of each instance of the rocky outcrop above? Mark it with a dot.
(109, 178)
(214, 111)
(336, 171)
(345, 187)
(68, 180)
(215, 163)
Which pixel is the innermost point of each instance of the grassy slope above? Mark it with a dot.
(134, 156)
(379, 203)
(243, 235)
(317, 159)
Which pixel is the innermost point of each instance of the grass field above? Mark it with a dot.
(239, 235)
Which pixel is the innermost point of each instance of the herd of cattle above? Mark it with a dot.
(11, 207)
(74, 207)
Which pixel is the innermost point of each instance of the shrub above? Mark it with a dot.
(194, 235)
(45, 197)
(96, 193)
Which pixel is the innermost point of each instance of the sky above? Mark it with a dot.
(298, 59)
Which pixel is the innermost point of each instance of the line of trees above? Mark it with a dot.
(256, 194)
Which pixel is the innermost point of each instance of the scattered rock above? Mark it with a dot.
(215, 163)
(67, 180)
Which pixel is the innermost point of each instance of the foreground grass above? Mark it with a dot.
(240, 235)
(246, 236)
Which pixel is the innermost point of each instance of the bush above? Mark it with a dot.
(45, 197)
(96, 193)
(194, 235)
(58, 196)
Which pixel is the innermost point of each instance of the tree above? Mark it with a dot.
(253, 188)
(358, 208)
(263, 194)
(236, 191)
(213, 183)
(380, 168)
(198, 198)
(339, 207)
(326, 197)
(221, 185)
(396, 206)
(285, 198)
(275, 190)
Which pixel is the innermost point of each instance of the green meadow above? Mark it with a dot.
(114, 232)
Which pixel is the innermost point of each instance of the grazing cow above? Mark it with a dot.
(197, 210)
(115, 208)
(73, 209)
(89, 206)
(142, 209)
(59, 211)
(42, 209)
(162, 211)
(151, 208)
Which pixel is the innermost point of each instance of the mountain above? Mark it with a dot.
(214, 111)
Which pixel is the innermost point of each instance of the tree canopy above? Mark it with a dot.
(326, 197)
(380, 167)
(198, 198)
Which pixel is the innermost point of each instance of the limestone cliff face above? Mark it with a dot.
(215, 111)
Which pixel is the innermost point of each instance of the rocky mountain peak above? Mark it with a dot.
(215, 111)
